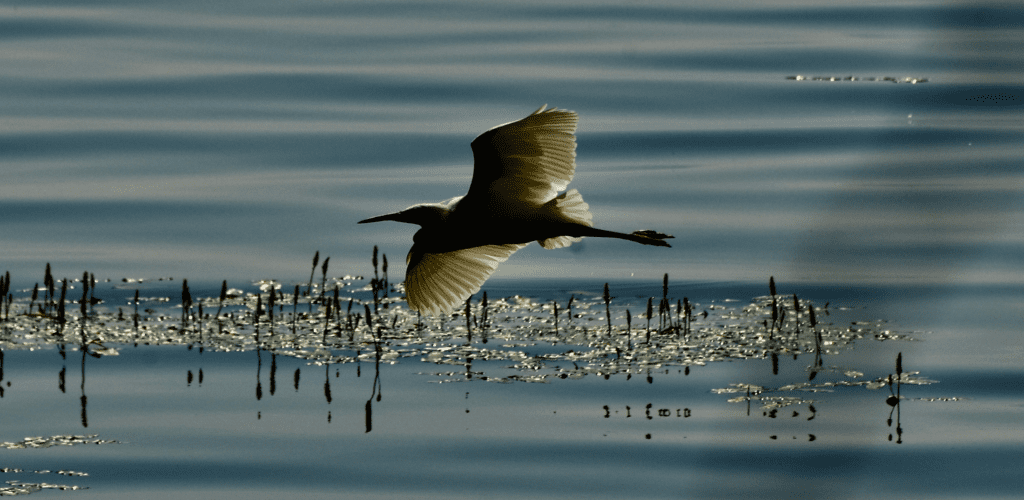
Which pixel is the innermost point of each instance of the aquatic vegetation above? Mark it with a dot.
(504, 340)
(539, 341)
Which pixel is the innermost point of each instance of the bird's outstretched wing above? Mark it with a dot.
(437, 283)
(529, 160)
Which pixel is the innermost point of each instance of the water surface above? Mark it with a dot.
(230, 141)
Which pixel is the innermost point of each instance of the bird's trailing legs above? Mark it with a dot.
(643, 236)
(650, 237)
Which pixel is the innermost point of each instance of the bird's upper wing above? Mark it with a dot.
(437, 283)
(529, 160)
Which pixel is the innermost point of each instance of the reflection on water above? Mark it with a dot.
(505, 340)
(613, 368)
(228, 139)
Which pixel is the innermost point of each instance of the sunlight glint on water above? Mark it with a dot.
(229, 141)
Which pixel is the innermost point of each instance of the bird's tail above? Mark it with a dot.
(577, 222)
(570, 207)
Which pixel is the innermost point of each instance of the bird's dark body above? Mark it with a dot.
(518, 195)
(495, 232)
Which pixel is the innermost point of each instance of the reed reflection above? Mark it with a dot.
(88, 345)
(375, 392)
(259, 367)
(538, 341)
(894, 400)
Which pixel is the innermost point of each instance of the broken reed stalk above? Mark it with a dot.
(369, 325)
(223, 297)
(35, 295)
(309, 287)
(60, 305)
(688, 312)
(5, 287)
(375, 282)
(85, 295)
(186, 301)
(650, 312)
(899, 374)
(135, 317)
(295, 307)
(337, 308)
(270, 304)
(663, 308)
(323, 279)
(814, 323)
(48, 283)
(796, 310)
(92, 291)
(483, 312)
(775, 308)
(607, 307)
(385, 285)
(348, 318)
(555, 304)
(629, 331)
(469, 314)
(327, 319)
(679, 315)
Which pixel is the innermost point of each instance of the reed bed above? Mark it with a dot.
(351, 318)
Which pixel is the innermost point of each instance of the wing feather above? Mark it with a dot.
(529, 160)
(437, 283)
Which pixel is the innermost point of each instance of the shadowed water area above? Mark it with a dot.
(865, 156)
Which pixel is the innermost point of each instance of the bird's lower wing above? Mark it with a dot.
(436, 283)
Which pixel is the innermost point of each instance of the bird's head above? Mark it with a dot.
(425, 214)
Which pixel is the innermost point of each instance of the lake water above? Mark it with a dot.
(865, 155)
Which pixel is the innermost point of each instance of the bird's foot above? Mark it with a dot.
(652, 237)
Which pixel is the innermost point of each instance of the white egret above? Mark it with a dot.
(519, 168)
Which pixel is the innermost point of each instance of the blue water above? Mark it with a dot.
(232, 140)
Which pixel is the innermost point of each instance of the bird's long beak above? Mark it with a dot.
(394, 217)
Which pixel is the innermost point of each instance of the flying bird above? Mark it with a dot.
(519, 169)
